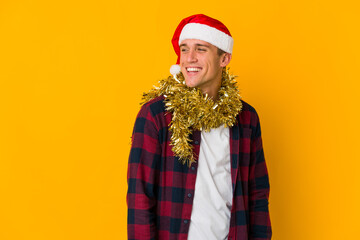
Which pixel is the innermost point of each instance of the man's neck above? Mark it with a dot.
(213, 94)
(212, 91)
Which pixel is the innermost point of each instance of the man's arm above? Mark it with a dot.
(260, 226)
(144, 155)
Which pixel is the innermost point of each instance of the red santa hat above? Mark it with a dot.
(203, 28)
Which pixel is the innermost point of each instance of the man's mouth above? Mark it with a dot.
(193, 69)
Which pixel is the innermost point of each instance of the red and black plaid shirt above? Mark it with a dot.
(161, 189)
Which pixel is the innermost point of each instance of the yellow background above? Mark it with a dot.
(71, 78)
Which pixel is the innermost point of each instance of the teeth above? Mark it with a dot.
(193, 69)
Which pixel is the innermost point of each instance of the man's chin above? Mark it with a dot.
(190, 83)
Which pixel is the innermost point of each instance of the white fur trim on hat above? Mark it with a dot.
(175, 69)
(208, 34)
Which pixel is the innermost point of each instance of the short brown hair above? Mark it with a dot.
(220, 52)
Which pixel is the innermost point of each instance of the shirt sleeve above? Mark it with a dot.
(141, 176)
(259, 188)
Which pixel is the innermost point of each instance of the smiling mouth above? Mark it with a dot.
(193, 69)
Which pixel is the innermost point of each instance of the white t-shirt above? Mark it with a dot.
(210, 217)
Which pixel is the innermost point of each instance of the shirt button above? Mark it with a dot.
(196, 142)
(193, 168)
(189, 195)
(186, 221)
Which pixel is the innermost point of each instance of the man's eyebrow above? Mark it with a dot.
(198, 45)
(202, 45)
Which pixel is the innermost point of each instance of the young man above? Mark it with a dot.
(196, 167)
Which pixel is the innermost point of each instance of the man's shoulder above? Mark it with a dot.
(155, 101)
(155, 106)
(248, 115)
(246, 107)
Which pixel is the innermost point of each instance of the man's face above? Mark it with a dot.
(200, 64)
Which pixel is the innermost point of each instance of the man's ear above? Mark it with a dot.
(225, 59)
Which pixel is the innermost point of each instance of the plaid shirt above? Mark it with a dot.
(161, 189)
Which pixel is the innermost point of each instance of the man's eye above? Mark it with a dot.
(201, 49)
(183, 50)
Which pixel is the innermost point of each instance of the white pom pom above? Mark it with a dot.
(175, 69)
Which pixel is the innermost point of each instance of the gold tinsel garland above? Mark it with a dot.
(192, 110)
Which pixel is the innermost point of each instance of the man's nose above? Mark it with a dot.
(191, 56)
